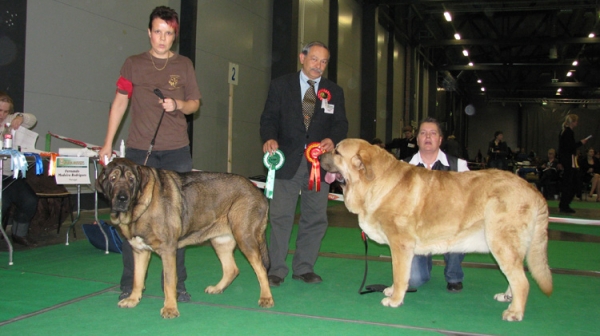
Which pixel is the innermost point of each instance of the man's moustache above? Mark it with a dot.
(317, 70)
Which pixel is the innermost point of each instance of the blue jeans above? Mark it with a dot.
(420, 271)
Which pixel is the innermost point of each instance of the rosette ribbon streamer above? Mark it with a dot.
(18, 163)
(273, 162)
(312, 153)
(39, 165)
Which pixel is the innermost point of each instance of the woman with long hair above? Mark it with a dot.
(567, 158)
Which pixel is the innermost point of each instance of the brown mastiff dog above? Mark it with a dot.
(161, 211)
(418, 211)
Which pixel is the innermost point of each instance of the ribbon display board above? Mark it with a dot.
(312, 153)
(273, 162)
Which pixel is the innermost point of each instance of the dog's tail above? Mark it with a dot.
(537, 255)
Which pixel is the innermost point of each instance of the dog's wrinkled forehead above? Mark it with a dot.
(349, 147)
(119, 170)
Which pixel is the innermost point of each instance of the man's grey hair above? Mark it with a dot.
(309, 45)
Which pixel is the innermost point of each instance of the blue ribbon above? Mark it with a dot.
(17, 162)
(39, 164)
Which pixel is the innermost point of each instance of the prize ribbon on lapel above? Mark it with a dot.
(312, 153)
(273, 162)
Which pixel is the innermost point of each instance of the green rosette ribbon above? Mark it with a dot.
(273, 162)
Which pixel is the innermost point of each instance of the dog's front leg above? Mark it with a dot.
(169, 310)
(401, 262)
(140, 262)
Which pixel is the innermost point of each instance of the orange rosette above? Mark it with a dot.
(312, 153)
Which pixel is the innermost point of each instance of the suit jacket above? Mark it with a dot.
(282, 120)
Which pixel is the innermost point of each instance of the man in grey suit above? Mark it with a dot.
(285, 126)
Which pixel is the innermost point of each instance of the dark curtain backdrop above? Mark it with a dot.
(542, 126)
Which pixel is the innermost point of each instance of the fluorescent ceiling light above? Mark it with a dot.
(457, 36)
(465, 52)
(448, 16)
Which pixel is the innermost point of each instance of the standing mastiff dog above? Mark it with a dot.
(161, 211)
(419, 211)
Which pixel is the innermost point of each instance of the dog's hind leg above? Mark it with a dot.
(509, 254)
(140, 259)
(224, 247)
(252, 250)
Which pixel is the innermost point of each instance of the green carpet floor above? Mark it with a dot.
(72, 290)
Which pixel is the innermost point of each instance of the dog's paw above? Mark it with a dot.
(388, 302)
(511, 315)
(213, 290)
(388, 291)
(503, 297)
(169, 312)
(129, 302)
(266, 302)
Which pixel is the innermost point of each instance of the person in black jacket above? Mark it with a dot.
(498, 152)
(567, 147)
(407, 146)
(285, 126)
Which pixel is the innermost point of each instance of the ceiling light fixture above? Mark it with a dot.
(465, 52)
(482, 89)
(559, 90)
(592, 35)
(569, 74)
(470, 63)
(448, 16)
(457, 36)
(479, 81)
(575, 62)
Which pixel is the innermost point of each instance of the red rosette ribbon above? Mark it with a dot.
(312, 152)
(324, 94)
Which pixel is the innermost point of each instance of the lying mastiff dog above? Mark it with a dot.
(161, 211)
(419, 211)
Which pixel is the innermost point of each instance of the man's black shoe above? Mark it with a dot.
(183, 296)
(24, 241)
(566, 210)
(275, 281)
(308, 277)
(454, 287)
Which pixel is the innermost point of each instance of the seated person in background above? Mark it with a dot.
(407, 146)
(17, 191)
(589, 166)
(452, 147)
(548, 174)
(378, 142)
(520, 155)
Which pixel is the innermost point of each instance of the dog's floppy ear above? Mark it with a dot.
(362, 161)
(101, 180)
(142, 177)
